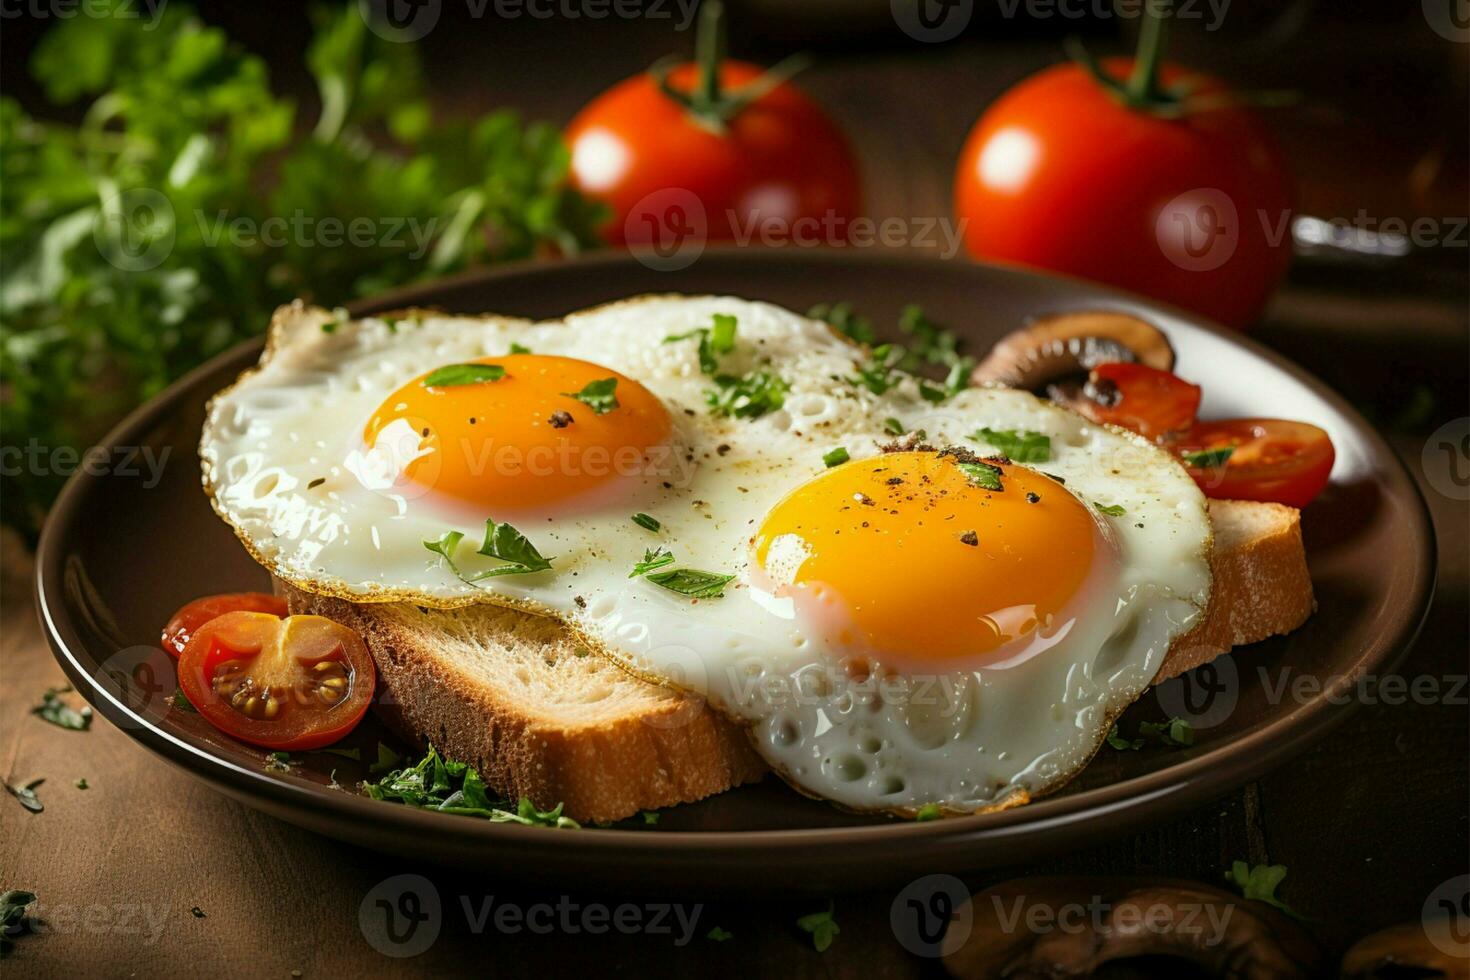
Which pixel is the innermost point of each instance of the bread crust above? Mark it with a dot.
(663, 750)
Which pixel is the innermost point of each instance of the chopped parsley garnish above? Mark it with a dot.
(893, 427)
(1209, 458)
(597, 395)
(501, 541)
(930, 343)
(747, 397)
(53, 709)
(877, 374)
(81, 783)
(840, 316)
(1260, 883)
(650, 817)
(181, 701)
(387, 759)
(836, 457)
(456, 375)
(1112, 510)
(822, 926)
(929, 811)
(330, 326)
(198, 913)
(436, 783)
(26, 794)
(1018, 445)
(713, 341)
(983, 475)
(1176, 732)
(646, 522)
(719, 935)
(653, 558)
(692, 583)
(519, 349)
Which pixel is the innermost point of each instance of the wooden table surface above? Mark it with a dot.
(1369, 822)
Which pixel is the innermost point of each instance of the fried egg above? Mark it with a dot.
(901, 615)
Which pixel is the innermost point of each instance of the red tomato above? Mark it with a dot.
(1151, 402)
(195, 614)
(779, 159)
(295, 683)
(1192, 210)
(1269, 459)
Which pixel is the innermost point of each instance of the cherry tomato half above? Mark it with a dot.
(296, 683)
(1151, 402)
(1268, 459)
(780, 159)
(186, 622)
(1194, 210)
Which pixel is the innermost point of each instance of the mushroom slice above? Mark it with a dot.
(1400, 951)
(1073, 927)
(1052, 347)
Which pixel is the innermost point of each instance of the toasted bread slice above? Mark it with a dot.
(1261, 588)
(514, 695)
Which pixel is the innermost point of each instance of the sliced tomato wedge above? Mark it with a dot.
(186, 622)
(1151, 402)
(1257, 459)
(296, 683)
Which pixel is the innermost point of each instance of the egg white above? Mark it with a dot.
(283, 463)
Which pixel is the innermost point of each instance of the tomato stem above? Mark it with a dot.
(708, 104)
(1143, 85)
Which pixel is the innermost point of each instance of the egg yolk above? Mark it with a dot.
(905, 554)
(520, 441)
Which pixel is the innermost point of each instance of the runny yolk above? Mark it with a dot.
(522, 442)
(903, 554)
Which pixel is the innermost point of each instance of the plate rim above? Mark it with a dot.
(1168, 789)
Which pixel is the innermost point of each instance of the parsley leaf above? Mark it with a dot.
(692, 583)
(1176, 732)
(1112, 510)
(646, 522)
(436, 783)
(653, 558)
(1209, 458)
(650, 817)
(597, 395)
(519, 348)
(877, 374)
(1018, 445)
(53, 709)
(456, 375)
(722, 334)
(747, 397)
(1122, 744)
(983, 475)
(840, 317)
(1259, 883)
(719, 935)
(893, 427)
(822, 926)
(501, 541)
(929, 811)
(713, 341)
(836, 457)
(13, 920)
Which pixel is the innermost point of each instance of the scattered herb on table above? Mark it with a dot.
(13, 920)
(822, 926)
(1259, 883)
(55, 710)
(26, 794)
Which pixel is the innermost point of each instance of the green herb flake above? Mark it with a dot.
(1018, 445)
(1207, 459)
(983, 475)
(1259, 883)
(387, 759)
(519, 349)
(747, 397)
(714, 340)
(81, 783)
(198, 913)
(692, 583)
(893, 427)
(330, 326)
(835, 457)
(458, 375)
(1176, 732)
(502, 541)
(650, 817)
(1122, 744)
(927, 812)
(719, 935)
(436, 783)
(842, 318)
(26, 794)
(181, 701)
(53, 709)
(597, 395)
(646, 522)
(653, 558)
(13, 921)
(1111, 510)
(822, 926)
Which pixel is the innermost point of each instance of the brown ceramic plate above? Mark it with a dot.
(121, 552)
